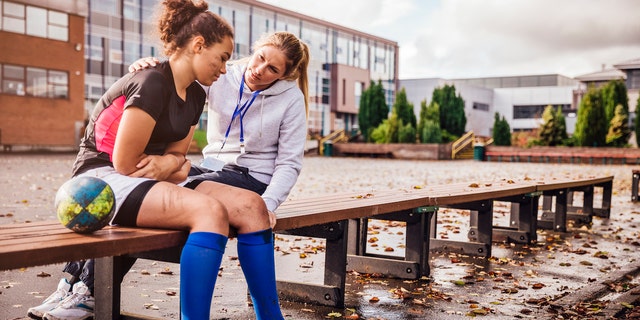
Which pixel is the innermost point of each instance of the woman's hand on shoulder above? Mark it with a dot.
(143, 63)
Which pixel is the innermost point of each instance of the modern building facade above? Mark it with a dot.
(41, 72)
(343, 60)
(522, 99)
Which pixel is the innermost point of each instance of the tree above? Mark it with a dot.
(562, 125)
(591, 125)
(373, 109)
(406, 118)
(429, 125)
(553, 131)
(614, 93)
(501, 131)
(404, 109)
(406, 133)
(422, 119)
(452, 117)
(387, 131)
(431, 132)
(619, 131)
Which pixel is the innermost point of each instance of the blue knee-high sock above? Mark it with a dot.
(255, 251)
(199, 265)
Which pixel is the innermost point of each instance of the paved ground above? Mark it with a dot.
(586, 273)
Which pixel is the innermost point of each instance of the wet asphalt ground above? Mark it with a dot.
(589, 272)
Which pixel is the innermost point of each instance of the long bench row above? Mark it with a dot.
(341, 219)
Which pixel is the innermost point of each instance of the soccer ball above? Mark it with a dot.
(85, 204)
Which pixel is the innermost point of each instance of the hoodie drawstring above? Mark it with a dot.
(261, 114)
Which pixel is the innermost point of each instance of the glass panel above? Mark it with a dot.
(58, 77)
(36, 82)
(12, 86)
(59, 84)
(13, 72)
(95, 53)
(13, 25)
(13, 9)
(131, 11)
(58, 33)
(104, 6)
(58, 18)
(96, 92)
(37, 22)
(242, 33)
(131, 52)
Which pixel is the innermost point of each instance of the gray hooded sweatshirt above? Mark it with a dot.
(275, 130)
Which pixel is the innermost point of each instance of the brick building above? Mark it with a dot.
(41, 72)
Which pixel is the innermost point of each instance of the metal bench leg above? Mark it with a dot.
(560, 216)
(582, 215)
(357, 242)
(331, 293)
(634, 186)
(554, 218)
(416, 260)
(605, 210)
(480, 231)
(109, 272)
(418, 241)
(522, 220)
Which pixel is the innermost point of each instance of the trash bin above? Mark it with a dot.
(327, 148)
(478, 152)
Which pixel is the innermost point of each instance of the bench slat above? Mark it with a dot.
(572, 183)
(49, 242)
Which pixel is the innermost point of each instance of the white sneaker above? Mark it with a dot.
(64, 290)
(77, 306)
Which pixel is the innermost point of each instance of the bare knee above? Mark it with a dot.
(251, 213)
(209, 215)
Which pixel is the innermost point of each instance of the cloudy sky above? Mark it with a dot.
(473, 38)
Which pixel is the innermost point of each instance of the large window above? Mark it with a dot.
(633, 79)
(34, 82)
(34, 21)
(357, 92)
(480, 106)
(13, 80)
(535, 111)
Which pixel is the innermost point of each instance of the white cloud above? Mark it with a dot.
(468, 38)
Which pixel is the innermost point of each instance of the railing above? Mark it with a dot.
(460, 144)
(336, 136)
(488, 141)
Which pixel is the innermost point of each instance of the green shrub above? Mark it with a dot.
(200, 137)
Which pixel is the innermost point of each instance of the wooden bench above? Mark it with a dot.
(341, 219)
(116, 248)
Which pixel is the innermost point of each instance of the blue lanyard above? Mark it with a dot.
(239, 112)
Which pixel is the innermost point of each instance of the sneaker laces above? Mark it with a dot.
(75, 298)
(57, 295)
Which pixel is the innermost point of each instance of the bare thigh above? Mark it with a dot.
(170, 206)
(246, 209)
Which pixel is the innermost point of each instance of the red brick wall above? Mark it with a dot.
(42, 121)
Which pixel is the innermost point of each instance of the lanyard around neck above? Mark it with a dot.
(239, 112)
